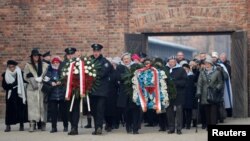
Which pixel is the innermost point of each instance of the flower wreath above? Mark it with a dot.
(150, 89)
(80, 75)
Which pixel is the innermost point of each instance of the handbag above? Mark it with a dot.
(33, 83)
(212, 94)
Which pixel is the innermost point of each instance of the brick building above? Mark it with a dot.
(122, 24)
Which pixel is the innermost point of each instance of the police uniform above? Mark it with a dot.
(74, 115)
(99, 95)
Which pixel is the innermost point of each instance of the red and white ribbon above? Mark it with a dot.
(69, 81)
(82, 79)
(157, 90)
(142, 98)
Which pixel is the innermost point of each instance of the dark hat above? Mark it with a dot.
(70, 50)
(158, 60)
(142, 55)
(11, 62)
(47, 54)
(35, 52)
(186, 66)
(96, 47)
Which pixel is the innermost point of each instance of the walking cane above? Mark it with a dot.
(197, 115)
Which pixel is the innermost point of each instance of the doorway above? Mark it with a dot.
(234, 45)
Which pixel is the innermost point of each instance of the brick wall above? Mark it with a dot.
(56, 24)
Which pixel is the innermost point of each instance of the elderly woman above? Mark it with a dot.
(210, 78)
(34, 72)
(57, 94)
(124, 101)
(14, 85)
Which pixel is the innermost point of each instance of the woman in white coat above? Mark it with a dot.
(33, 73)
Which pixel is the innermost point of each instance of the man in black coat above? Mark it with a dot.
(74, 115)
(179, 76)
(99, 95)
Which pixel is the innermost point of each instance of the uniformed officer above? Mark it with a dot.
(74, 115)
(98, 96)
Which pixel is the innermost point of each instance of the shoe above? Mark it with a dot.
(43, 126)
(98, 131)
(188, 127)
(32, 126)
(179, 132)
(94, 133)
(149, 125)
(7, 128)
(88, 126)
(170, 131)
(129, 130)
(162, 130)
(65, 129)
(135, 132)
(109, 129)
(53, 130)
(21, 128)
(204, 127)
(73, 132)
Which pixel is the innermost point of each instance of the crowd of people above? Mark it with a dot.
(189, 84)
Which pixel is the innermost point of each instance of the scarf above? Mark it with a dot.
(128, 66)
(10, 78)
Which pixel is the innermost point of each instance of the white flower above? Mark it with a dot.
(85, 59)
(77, 59)
(90, 74)
(76, 71)
(67, 73)
(85, 67)
(94, 75)
(64, 74)
(94, 70)
(68, 69)
(70, 60)
(89, 68)
(67, 64)
(88, 62)
(93, 65)
(86, 71)
(78, 64)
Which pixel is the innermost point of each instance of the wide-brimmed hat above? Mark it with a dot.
(35, 52)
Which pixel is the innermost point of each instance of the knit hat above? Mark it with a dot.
(135, 57)
(55, 59)
(209, 60)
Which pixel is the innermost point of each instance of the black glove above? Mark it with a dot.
(29, 75)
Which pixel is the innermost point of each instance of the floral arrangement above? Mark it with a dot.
(150, 89)
(80, 76)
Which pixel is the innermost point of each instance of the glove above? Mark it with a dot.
(29, 75)
(39, 79)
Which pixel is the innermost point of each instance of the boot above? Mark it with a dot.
(32, 126)
(21, 128)
(73, 131)
(43, 126)
(98, 131)
(7, 128)
(89, 123)
(53, 130)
